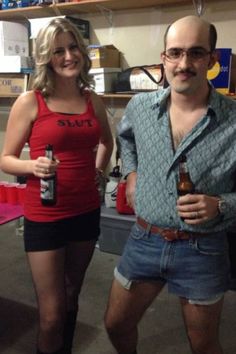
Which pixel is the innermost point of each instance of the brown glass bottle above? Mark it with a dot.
(48, 185)
(185, 184)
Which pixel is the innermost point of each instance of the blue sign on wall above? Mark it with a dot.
(220, 74)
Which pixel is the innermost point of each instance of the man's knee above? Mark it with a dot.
(202, 342)
(111, 325)
(114, 324)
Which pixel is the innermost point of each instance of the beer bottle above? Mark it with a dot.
(185, 184)
(48, 185)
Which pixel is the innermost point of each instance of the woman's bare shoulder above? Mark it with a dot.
(27, 97)
(26, 104)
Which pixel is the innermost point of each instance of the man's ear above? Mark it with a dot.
(213, 59)
(163, 58)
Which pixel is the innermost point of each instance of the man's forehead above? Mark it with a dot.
(187, 34)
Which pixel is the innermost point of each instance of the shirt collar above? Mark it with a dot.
(161, 99)
(214, 104)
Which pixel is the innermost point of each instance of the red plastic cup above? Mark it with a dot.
(11, 193)
(21, 193)
(3, 195)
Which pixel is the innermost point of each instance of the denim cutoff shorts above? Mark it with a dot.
(196, 269)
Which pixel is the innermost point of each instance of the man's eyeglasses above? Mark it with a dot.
(176, 54)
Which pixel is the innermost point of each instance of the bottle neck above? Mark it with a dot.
(185, 184)
(183, 168)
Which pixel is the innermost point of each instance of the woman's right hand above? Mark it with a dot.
(44, 167)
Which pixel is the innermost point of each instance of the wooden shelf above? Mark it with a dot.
(84, 6)
(112, 95)
(117, 95)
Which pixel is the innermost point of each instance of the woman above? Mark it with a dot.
(59, 239)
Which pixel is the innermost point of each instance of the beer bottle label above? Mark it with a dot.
(47, 189)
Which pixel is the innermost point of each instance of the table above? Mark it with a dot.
(9, 212)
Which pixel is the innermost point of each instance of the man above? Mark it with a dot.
(178, 241)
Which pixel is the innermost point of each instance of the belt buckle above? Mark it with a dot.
(170, 235)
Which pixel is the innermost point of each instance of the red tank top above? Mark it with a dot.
(74, 138)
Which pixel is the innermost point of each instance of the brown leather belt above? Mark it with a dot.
(168, 234)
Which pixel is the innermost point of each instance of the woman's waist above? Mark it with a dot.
(70, 200)
(66, 183)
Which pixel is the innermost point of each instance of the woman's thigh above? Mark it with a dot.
(77, 260)
(47, 268)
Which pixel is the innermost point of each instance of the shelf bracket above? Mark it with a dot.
(107, 13)
(199, 6)
(55, 8)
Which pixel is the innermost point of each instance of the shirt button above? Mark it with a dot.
(171, 217)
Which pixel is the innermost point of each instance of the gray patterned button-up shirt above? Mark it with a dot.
(146, 147)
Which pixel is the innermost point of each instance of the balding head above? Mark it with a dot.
(192, 25)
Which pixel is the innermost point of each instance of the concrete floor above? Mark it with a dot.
(161, 330)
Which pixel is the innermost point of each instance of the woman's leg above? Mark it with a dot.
(78, 257)
(47, 269)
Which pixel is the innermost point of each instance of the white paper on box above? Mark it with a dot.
(143, 82)
(14, 38)
(15, 64)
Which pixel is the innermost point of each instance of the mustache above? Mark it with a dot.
(186, 71)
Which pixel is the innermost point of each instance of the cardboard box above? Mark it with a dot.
(12, 85)
(16, 64)
(115, 230)
(104, 79)
(220, 74)
(106, 56)
(14, 38)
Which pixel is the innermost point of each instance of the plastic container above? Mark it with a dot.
(115, 230)
(111, 187)
(121, 203)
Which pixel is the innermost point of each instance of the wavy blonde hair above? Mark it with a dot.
(44, 76)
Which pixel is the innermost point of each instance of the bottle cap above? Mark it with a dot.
(115, 172)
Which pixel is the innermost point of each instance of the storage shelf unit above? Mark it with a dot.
(90, 6)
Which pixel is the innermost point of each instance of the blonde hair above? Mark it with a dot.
(44, 76)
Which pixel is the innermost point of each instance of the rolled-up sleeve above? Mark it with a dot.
(127, 142)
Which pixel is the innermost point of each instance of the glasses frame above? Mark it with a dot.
(187, 52)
